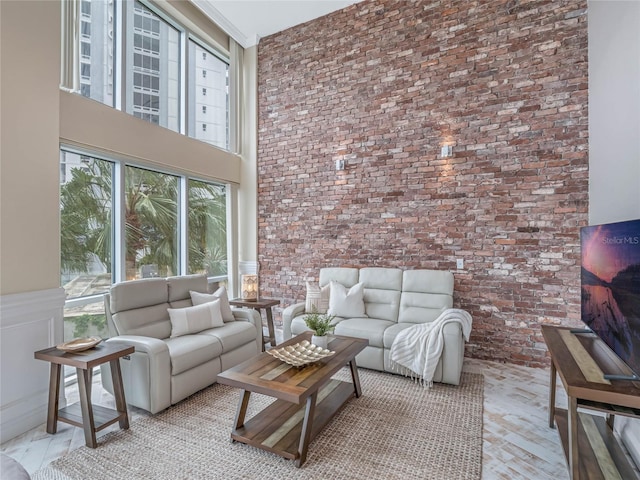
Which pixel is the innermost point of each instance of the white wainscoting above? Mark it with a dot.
(28, 322)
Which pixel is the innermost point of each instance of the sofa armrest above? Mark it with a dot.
(146, 373)
(288, 314)
(252, 316)
(452, 353)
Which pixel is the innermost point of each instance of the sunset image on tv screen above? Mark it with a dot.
(611, 286)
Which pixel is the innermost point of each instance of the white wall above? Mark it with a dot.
(614, 130)
(614, 111)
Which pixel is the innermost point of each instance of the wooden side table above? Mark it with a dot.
(92, 418)
(259, 304)
(581, 361)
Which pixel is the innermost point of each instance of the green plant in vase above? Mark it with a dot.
(320, 324)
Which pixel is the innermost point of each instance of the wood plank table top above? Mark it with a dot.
(268, 375)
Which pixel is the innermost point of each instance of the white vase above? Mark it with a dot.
(320, 341)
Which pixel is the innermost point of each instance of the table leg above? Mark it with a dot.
(355, 377)
(272, 333)
(54, 396)
(118, 393)
(84, 389)
(242, 409)
(552, 395)
(572, 427)
(305, 434)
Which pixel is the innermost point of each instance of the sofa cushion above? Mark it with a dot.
(317, 297)
(179, 287)
(232, 335)
(425, 295)
(370, 328)
(199, 298)
(346, 303)
(190, 351)
(152, 321)
(382, 292)
(195, 319)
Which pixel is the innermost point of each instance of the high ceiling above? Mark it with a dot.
(249, 20)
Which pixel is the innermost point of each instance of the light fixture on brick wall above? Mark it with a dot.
(340, 164)
(446, 151)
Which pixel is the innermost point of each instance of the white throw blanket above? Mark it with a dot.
(416, 350)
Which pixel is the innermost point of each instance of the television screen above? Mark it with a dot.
(611, 286)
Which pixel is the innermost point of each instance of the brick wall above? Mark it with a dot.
(383, 85)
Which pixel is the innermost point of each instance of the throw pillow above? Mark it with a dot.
(198, 298)
(317, 297)
(346, 303)
(195, 319)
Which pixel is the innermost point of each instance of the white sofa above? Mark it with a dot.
(394, 300)
(164, 369)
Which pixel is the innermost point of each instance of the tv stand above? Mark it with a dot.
(589, 444)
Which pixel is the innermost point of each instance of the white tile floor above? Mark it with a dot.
(517, 442)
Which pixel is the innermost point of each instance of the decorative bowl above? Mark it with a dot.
(79, 344)
(300, 354)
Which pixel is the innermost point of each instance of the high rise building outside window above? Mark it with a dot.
(97, 50)
(153, 68)
(208, 96)
(150, 76)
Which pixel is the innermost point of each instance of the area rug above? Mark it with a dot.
(396, 430)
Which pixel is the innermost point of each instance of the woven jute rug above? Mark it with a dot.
(396, 430)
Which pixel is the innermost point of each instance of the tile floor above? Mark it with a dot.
(517, 442)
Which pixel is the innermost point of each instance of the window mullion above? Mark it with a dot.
(183, 242)
(119, 223)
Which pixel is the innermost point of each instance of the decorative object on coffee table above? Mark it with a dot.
(300, 354)
(320, 325)
(257, 305)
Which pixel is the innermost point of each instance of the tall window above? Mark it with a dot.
(149, 225)
(207, 235)
(151, 229)
(155, 56)
(97, 50)
(86, 222)
(152, 69)
(208, 91)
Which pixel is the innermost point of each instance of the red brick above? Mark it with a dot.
(384, 84)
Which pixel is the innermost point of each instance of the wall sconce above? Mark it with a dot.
(250, 287)
(340, 164)
(446, 151)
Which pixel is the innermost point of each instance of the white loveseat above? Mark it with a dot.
(394, 300)
(165, 369)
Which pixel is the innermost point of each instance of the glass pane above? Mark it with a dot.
(85, 224)
(153, 59)
(85, 320)
(97, 51)
(151, 224)
(208, 87)
(207, 234)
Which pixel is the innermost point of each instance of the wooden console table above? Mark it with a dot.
(92, 418)
(259, 304)
(582, 360)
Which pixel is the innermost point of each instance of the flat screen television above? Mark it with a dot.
(610, 286)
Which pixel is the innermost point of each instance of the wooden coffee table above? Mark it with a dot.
(307, 397)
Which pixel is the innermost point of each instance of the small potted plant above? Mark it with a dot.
(320, 324)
